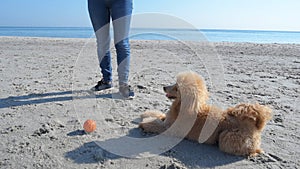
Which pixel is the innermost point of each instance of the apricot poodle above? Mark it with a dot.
(236, 130)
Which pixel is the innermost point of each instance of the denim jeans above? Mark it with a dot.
(120, 11)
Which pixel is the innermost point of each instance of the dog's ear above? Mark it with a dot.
(189, 104)
(193, 92)
(187, 115)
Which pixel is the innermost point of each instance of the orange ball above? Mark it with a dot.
(89, 126)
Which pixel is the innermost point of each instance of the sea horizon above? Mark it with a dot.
(213, 35)
(221, 29)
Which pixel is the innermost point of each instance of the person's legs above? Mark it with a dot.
(100, 18)
(121, 11)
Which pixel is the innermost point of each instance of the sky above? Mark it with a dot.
(202, 14)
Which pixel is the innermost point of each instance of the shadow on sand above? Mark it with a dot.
(14, 101)
(189, 153)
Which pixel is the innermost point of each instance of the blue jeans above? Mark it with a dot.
(120, 11)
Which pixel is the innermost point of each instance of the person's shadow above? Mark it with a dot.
(190, 153)
(13, 101)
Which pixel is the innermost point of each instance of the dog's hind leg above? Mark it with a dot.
(237, 143)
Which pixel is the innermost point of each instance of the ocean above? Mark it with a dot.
(213, 35)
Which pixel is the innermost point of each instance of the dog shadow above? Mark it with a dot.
(189, 153)
(195, 155)
(90, 153)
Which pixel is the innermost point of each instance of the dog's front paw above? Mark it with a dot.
(145, 128)
(145, 124)
(152, 125)
(153, 114)
(141, 125)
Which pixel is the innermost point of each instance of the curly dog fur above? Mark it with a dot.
(237, 130)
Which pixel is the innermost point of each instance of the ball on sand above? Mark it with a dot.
(89, 126)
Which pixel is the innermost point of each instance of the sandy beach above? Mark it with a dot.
(44, 100)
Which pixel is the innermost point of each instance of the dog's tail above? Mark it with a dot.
(263, 115)
(260, 114)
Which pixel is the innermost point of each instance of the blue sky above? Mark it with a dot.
(203, 14)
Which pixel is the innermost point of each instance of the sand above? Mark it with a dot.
(44, 101)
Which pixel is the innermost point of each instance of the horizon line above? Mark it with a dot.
(204, 29)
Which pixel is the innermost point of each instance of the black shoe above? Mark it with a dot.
(102, 85)
(126, 91)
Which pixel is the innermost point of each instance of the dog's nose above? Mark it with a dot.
(164, 88)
